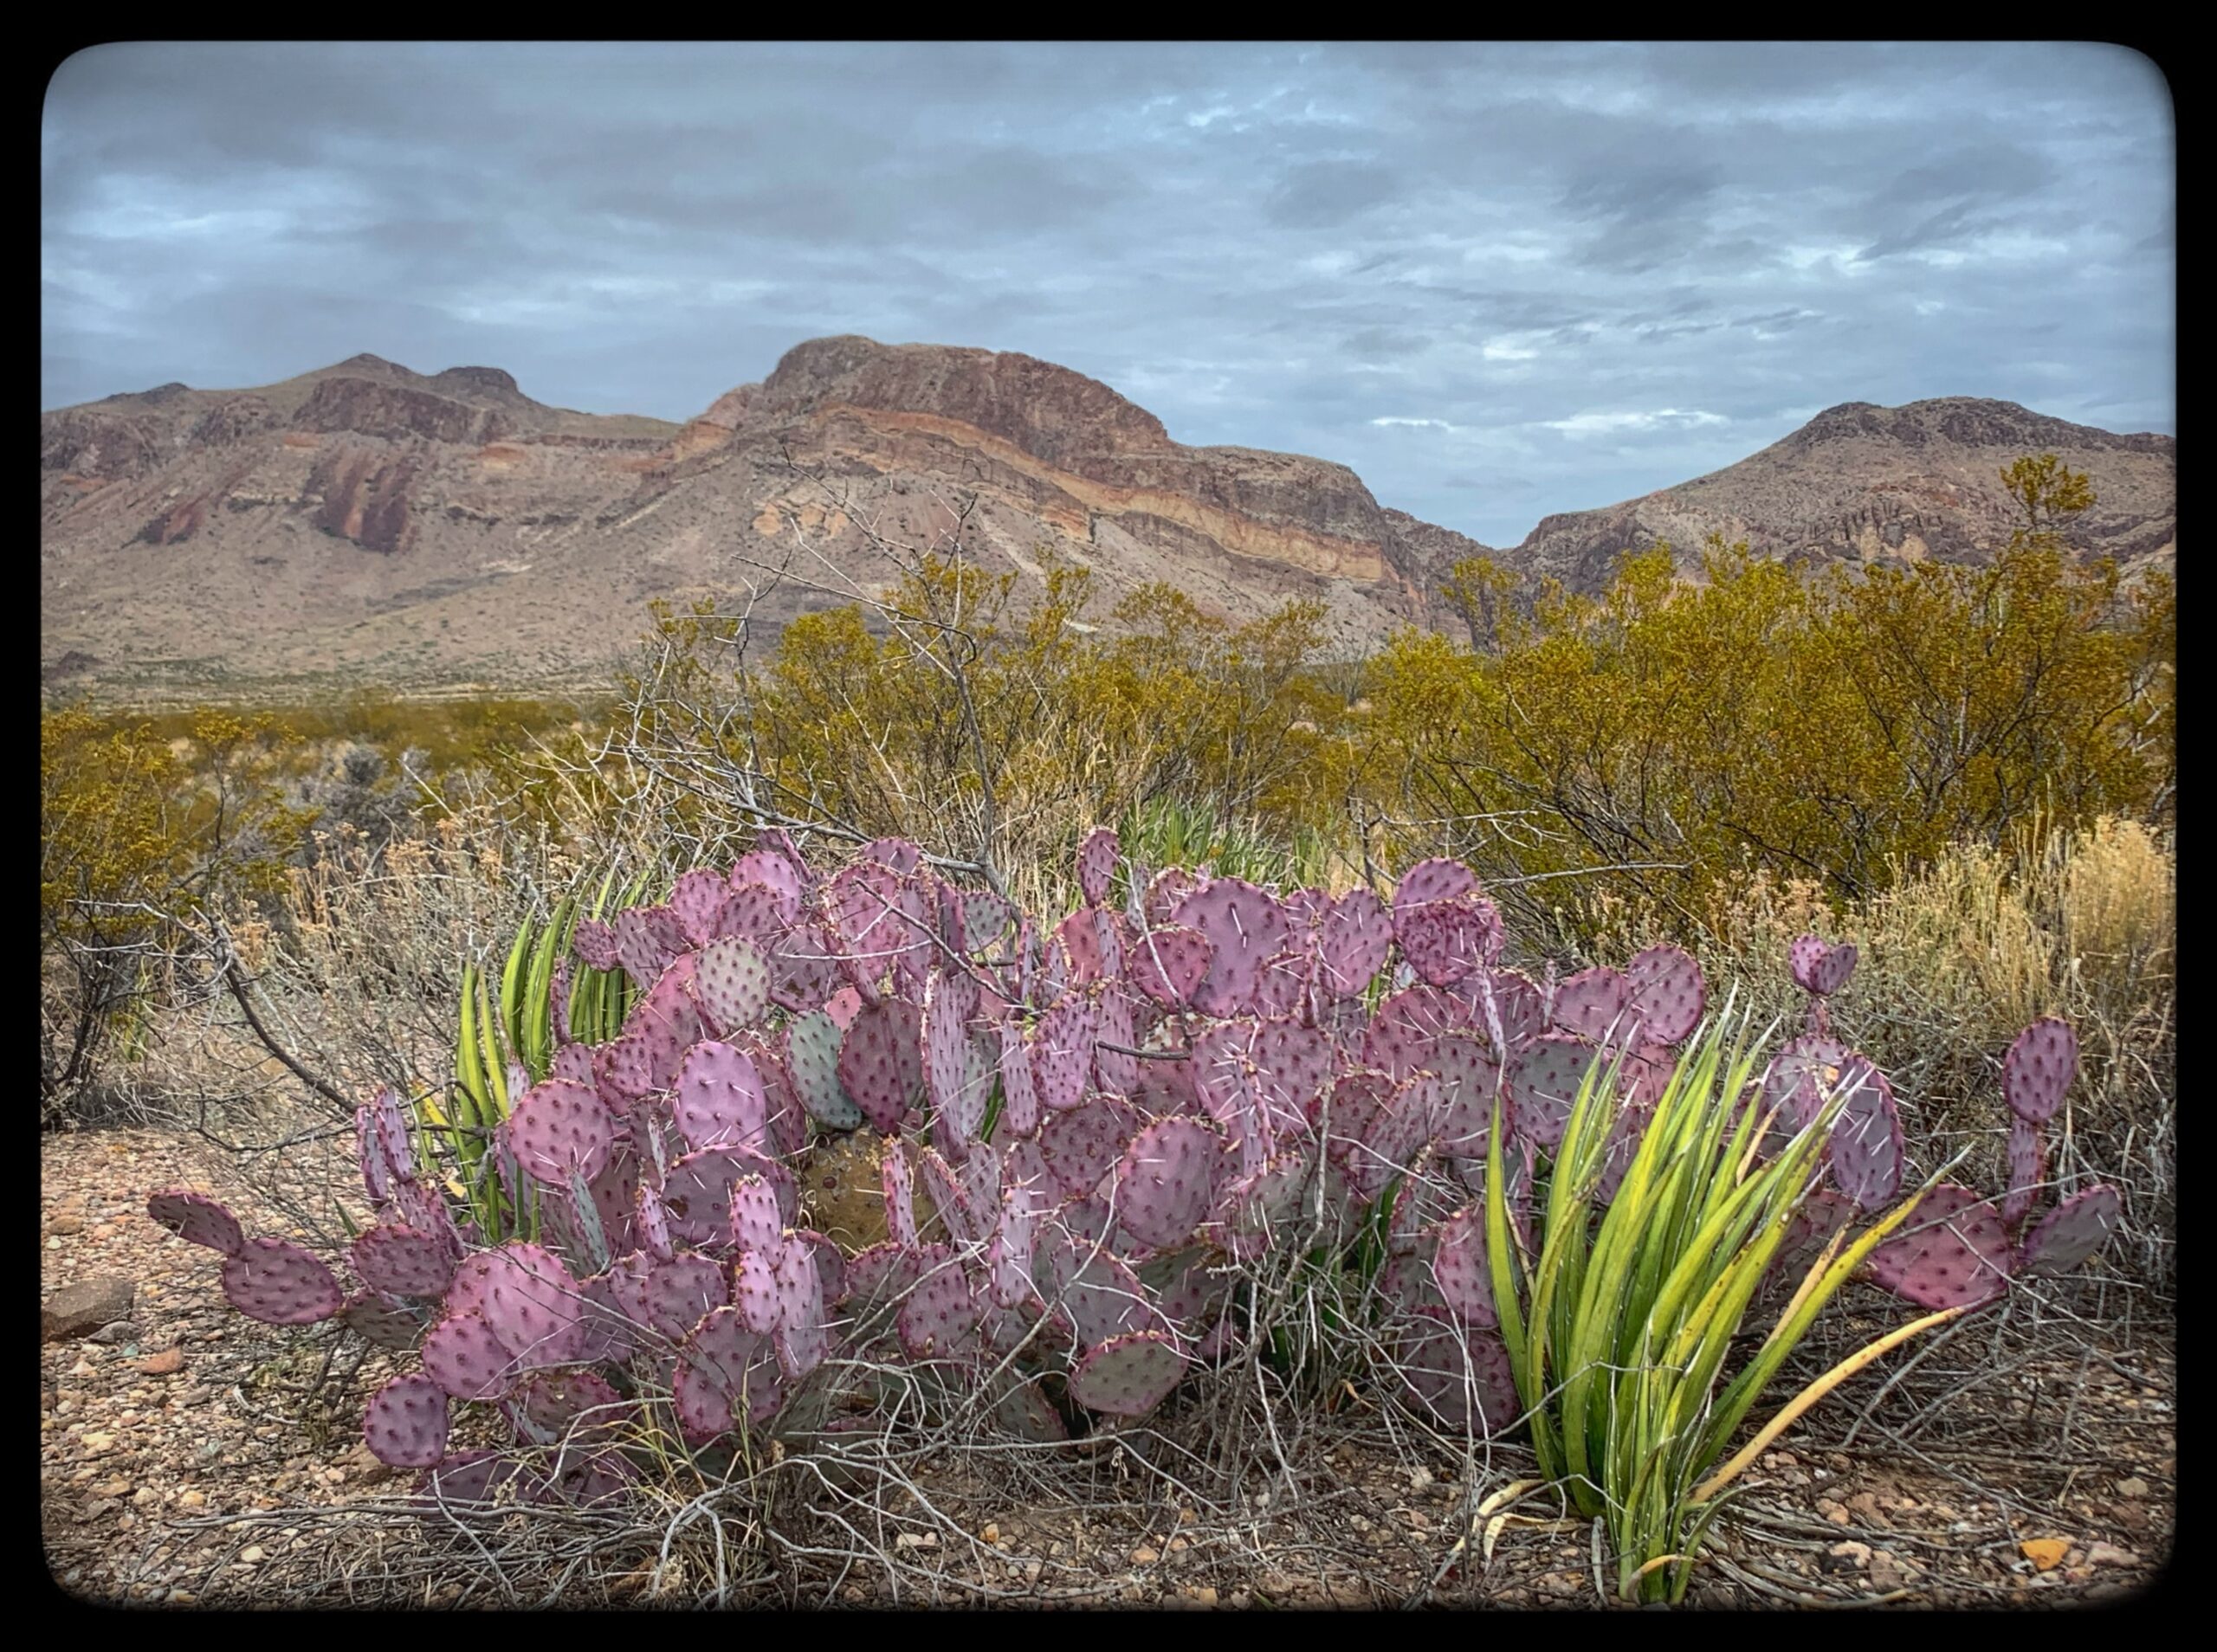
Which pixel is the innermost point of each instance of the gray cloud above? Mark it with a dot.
(1496, 281)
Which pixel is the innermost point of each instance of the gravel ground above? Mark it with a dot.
(189, 1455)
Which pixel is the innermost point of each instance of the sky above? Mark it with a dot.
(1497, 280)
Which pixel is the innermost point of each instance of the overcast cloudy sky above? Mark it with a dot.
(1497, 280)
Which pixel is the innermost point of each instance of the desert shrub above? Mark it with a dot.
(1842, 728)
(133, 829)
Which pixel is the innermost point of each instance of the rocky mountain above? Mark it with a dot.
(1880, 484)
(366, 523)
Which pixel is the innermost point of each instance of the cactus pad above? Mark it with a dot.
(881, 1062)
(1668, 991)
(196, 1217)
(463, 1357)
(1543, 1085)
(1951, 1253)
(2074, 1230)
(559, 1130)
(533, 1306)
(731, 981)
(401, 1260)
(1165, 1181)
(1352, 939)
(2027, 1169)
(1169, 965)
(720, 1099)
(1866, 1140)
(277, 1282)
(1458, 1378)
(1096, 865)
(1128, 1376)
(1459, 1267)
(812, 1044)
(405, 1424)
(1245, 926)
(939, 1319)
(2039, 1068)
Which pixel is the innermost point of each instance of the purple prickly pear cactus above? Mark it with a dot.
(1460, 1378)
(697, 1192)
(533, 1306)
(2027, 1169)
(2074, 1230)
(1245, 926)
(1543, 1085)
(1459, 1268)
(1352, 939)
(1596, 1004)
(1169, 965)
(278, 1283)
(2039, 1068)
(898, 1178)
(731, 981)
(1667, 991)
(559, 1130)
(594, 943)
(774, 870)
(381, 1320)
(812, 1044)
(1128, 1375)
(1865, 1148)
(1167, 1181)
(196, 1217)
(400, 1261)
(676, 1293)
(1951, 1253)
(1818, 968)
(1080, 1147)
(1062, 1054)
(958, 1098)
(1096, 865)
(939, 1319)
(697, 902)
(1431, 883)
(463, 1357)
(720, 1099)
(881, 1062)
(405, 1425)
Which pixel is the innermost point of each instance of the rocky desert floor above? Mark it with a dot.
(189, 1457)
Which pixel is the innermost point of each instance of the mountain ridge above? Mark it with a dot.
(364, 519)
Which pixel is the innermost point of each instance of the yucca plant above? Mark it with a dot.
(500, 1041)
(1619, 1322)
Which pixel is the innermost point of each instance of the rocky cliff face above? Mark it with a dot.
(368, 519)
(1876, 484)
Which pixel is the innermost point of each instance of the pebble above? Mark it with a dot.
(1145, 1557)
(253, 1553)
(2132, 1486)
(193, 1499)
(2108, 1554)
(1849, 1555)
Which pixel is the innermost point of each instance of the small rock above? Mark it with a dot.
(252, 1554)
(2045, 1553)
(1145, 1557)
(991, 1534)
(1850, 1555)
(167, 1362)
(193, 1499)
(1420, 1479)
(2132, 1486)
(2108, 1554)
(1832, 1510)
(80, 1309)
(1178, 1545)
(67, 1221)
(1204, 1595)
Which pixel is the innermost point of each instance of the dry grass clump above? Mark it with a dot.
(1957, 958)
